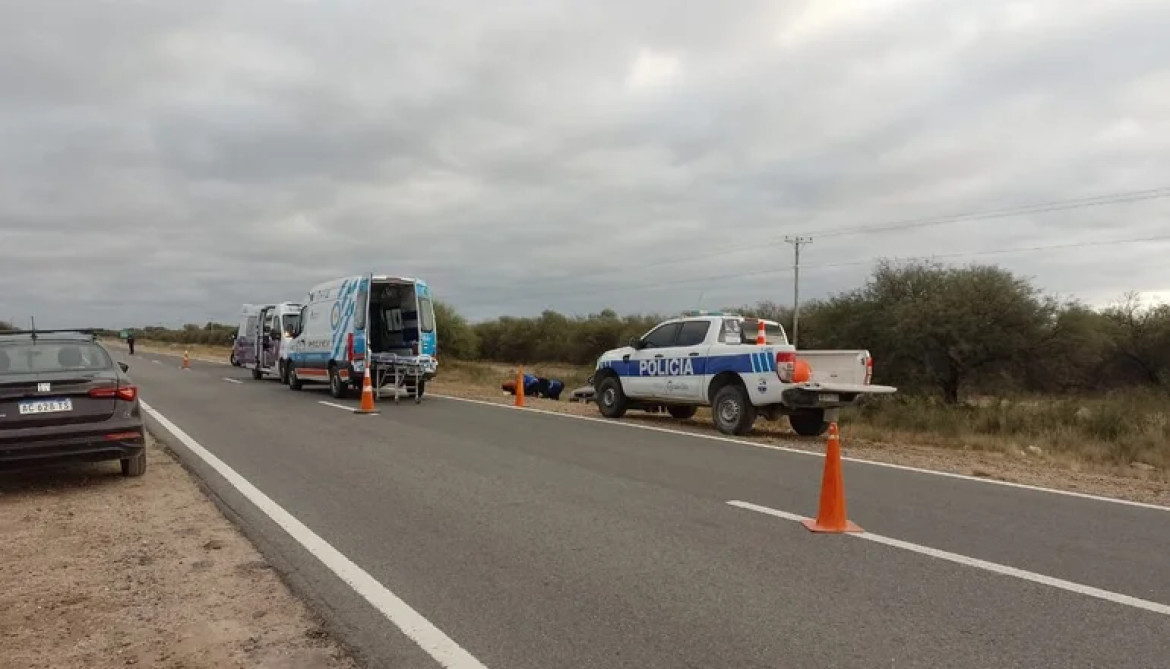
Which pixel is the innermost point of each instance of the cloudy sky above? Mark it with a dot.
(164, 162)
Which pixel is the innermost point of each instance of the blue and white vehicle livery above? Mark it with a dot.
(712, 359)
(356, 324)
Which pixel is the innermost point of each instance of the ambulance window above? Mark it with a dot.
(693, 333)
(359, 309)
(662, 336)
(426, 314)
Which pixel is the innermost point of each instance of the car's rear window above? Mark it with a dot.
(37, 358)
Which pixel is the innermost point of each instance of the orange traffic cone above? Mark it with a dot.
(831, 514)
(367, 406)
(186, 360)
(519, 387)
(761, 333)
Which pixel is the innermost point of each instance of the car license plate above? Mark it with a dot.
(45, 406)
(830, 397)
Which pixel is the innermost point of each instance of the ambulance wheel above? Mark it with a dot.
(682, 411)
(732, 410)
(294, 381)
(610, 398)
(810, 423)
(337, 387)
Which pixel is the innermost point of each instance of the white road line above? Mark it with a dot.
(798, 451)
(335, 405)
(420, 630)
(1070, 586)
(232, 380)
(157, 362)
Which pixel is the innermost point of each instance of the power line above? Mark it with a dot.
(834, 265)
(1122, 197)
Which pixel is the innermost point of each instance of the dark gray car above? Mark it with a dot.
(62, 397)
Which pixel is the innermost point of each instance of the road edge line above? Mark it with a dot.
(985, 565)
(798, 451)
(417, 628)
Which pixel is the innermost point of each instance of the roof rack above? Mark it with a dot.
(91, 332)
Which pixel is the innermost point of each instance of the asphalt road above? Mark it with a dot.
(539, 541)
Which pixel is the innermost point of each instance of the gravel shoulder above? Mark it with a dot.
(102, 571)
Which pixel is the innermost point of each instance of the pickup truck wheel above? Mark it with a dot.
(809, 423)
(732, 410)
(610, 399)
(682, 411)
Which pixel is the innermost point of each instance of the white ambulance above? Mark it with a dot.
(368, 322)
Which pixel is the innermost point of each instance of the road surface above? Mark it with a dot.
(538, 541)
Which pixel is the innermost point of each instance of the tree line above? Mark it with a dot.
(933, 329)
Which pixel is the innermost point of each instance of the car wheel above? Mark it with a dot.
(682, 411)
(135, 466)
(336, 385)
(611, 400)
(732, 410)
(294, 382)
(809, 423)
(234, 361)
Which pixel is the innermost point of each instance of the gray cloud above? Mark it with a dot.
(165, 163)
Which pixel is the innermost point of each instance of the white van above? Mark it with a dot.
(276, 324)
(384, 323)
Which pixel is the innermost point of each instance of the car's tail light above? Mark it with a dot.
(868, 369)
(786, 366)
(124, 436)
(349, 347)
(127, 393)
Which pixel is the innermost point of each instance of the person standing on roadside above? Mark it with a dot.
(130, 341)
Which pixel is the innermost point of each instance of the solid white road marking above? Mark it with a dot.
(232, 380)
(157, 362)
(1070, 586)
(336, 406)
(798, 451)
(420, 630)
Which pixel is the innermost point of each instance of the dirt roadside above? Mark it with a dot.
(101, 571)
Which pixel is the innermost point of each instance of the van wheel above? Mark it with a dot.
(682, 411)
(732, 410)
(810, 423)
(336, 385)
(294, 381)
(610, 399)
(257, 374)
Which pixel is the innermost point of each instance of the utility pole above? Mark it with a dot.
(796, 244)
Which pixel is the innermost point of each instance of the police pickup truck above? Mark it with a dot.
(737, 368)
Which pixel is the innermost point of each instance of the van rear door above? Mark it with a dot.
(427, 334)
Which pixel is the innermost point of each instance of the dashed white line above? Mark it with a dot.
(336, 406)
(430, 638)
(1070, 586)
(798, 451)
(232, 380)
